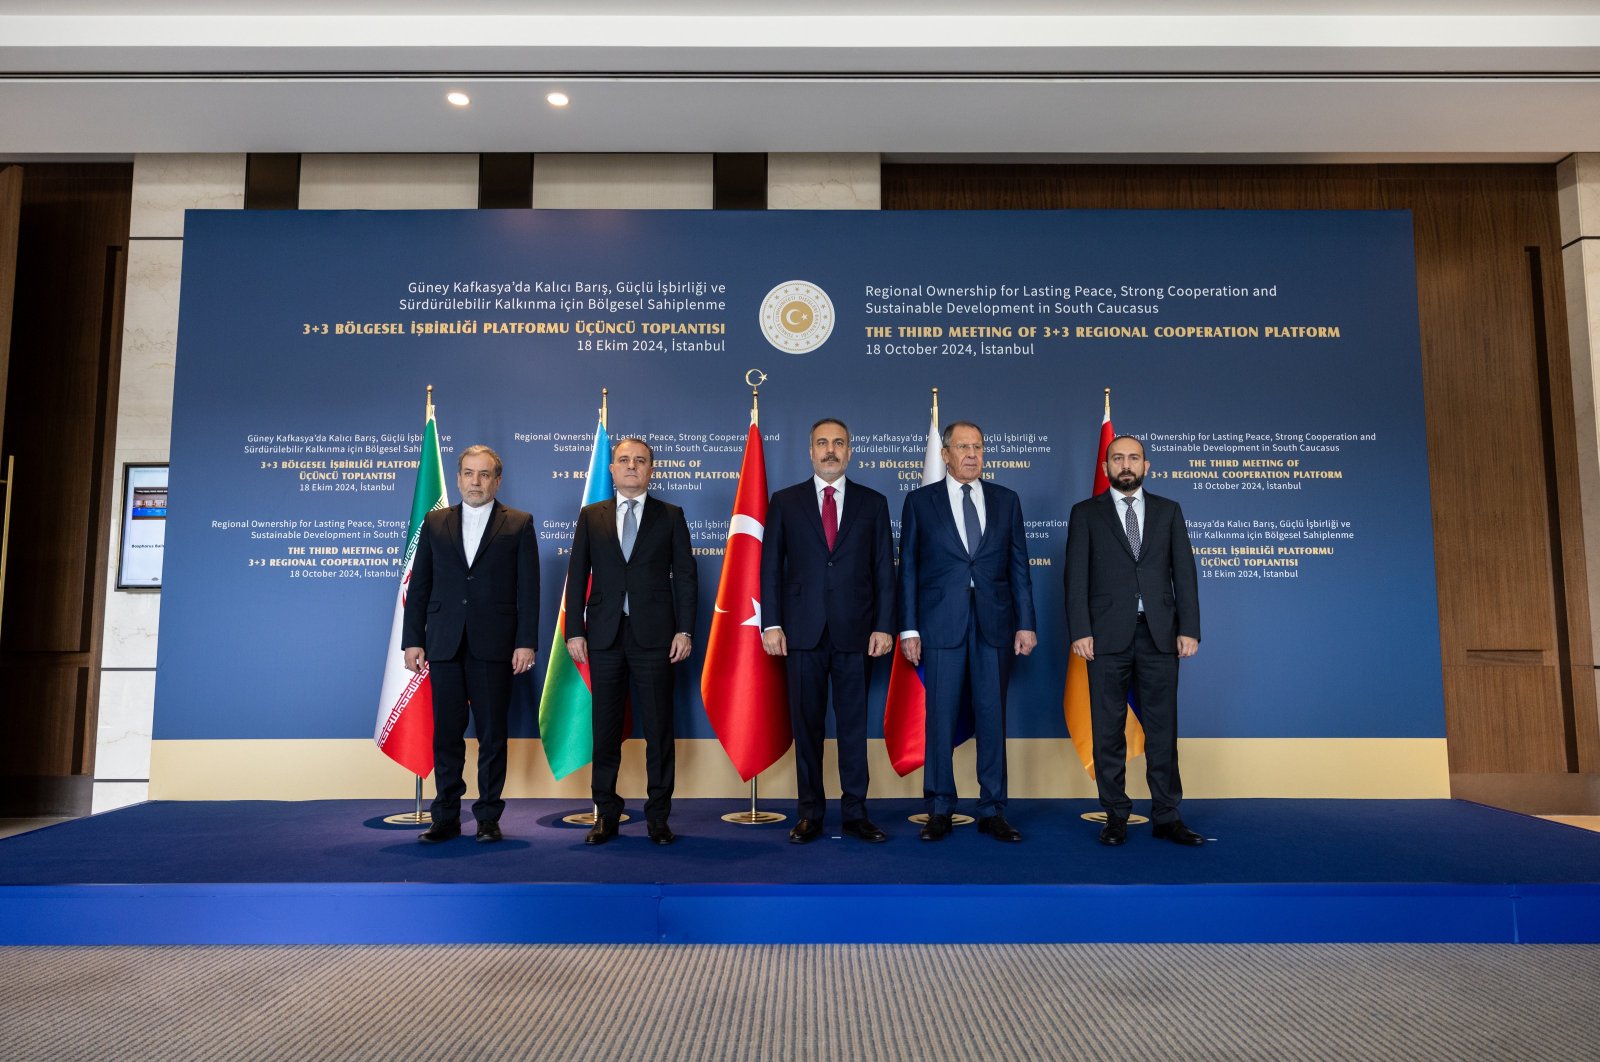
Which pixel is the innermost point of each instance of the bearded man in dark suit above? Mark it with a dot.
(1133, 611)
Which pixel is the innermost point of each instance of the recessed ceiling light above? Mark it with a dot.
(557, 99)
(459, 99)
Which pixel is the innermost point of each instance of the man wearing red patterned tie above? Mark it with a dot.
(827, 593)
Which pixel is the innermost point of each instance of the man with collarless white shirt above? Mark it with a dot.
(472, 616)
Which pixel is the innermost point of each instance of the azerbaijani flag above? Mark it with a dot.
(1075, 702)
(566, 708)
(905, 712)
(405, 703)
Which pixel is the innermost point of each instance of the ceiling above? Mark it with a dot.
(1091, 78)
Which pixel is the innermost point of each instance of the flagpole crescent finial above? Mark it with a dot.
(605, 402)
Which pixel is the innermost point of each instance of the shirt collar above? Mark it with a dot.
(818, 483)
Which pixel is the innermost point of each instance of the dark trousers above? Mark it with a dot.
(461, 683)
(1153, 676)
(628, 669)
(979, 670)
(810, 671)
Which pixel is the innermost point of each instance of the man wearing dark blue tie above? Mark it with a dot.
(1133, 611)
(827, 594)
(966, 610)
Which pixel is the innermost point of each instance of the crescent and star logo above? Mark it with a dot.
(797, 316)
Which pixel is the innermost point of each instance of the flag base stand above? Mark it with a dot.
(921, 819)
(415, 817)
(753, 817)
(409, 818)
(586, 818)
(1100, 816)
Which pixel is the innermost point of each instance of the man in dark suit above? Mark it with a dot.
(631, 624)
(472, 616)
(827, 593)
(966, 609)
(1133, 610)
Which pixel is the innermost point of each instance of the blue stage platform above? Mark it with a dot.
(333, 872)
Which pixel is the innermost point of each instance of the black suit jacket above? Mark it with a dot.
(1104, 582)
(495, 601)
(659, 579)
(805, 588)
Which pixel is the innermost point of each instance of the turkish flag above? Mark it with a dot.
(743, 688)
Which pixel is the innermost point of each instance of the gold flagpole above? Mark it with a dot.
(417, 817)
(755, 816)
(590, 817)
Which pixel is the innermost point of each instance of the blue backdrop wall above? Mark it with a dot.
(1270, 360)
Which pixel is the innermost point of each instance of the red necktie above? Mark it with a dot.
(830, 518)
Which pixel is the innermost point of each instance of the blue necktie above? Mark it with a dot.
(969, 513)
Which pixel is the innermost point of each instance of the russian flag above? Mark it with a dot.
(905, 713)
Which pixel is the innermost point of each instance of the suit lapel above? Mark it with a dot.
(452, 531)
(849, 508)
(1114, 519)
(608, 527)
(491, 528)
(946, 517)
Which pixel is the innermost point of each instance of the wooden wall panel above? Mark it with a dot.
(60, 410)
(10, 222)
(1519, 693)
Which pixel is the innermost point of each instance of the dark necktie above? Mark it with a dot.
(830, 518)
(969, 514)
(1131, 524)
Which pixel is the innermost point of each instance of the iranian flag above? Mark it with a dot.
(566, 708)
(1075, 702)
(405, 705)
(743, 688)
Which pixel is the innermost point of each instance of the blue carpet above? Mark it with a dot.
(1255, 841)
(332, 872)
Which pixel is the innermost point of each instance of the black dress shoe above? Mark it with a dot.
(937, 828)
(1114, 832)
(601, 832)
(440, 831)
(661, 833)
(1176, 832)
(488, 832)
(997, 827)
(805, 831)
(865, 830)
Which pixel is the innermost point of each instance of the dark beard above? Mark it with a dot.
(1125, 487)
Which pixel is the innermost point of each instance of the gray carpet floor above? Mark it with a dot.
(1399, 1002)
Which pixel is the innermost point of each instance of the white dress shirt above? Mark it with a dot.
(622, 512)
(474, 518)
(818, 484)
(953, 488)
